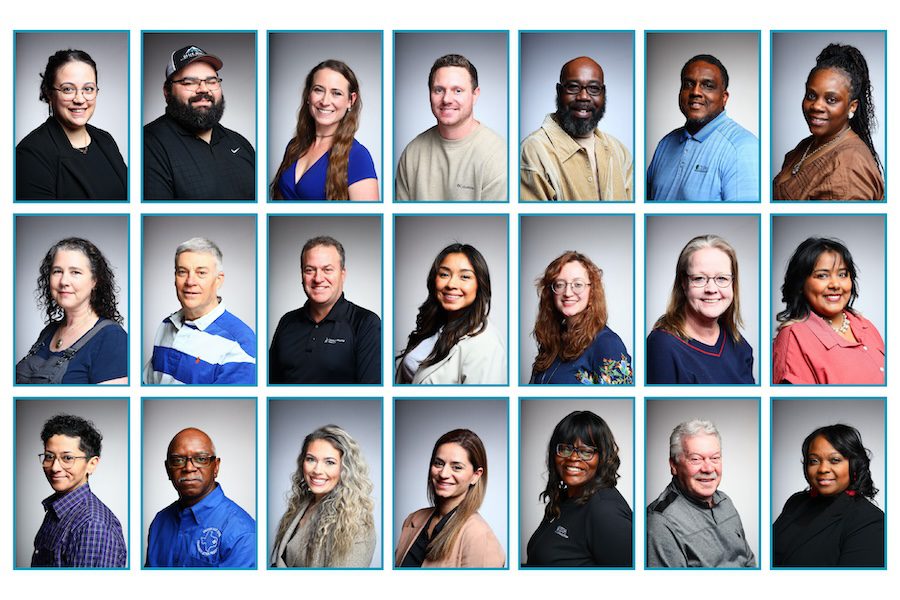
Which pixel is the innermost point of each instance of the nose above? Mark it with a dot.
(56, 465)
(710, 286)
(189, 466)
(582, 94)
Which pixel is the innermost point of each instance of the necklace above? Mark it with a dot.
(845, 324)
(83, 149)
(807, 153)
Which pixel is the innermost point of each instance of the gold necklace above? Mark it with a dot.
(807, 153)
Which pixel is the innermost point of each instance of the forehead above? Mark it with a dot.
(700, 70)
(196, 260)
(573, 269)
(198, 69)
(820, 445)
(191, 442)
(458, 261)
(75, 72)
(452, 77)
(829, 79)
(452, 452)
(323, 448)
(582, 70)
(331, 79)
(62, 443)
(702, 443)
(321, 255)
(71, 258)
(829, 259)
(710, 258)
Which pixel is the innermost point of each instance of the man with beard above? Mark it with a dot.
(188, 155)
(568, 158)
(711, 158)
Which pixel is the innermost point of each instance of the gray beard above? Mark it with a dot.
(578, 128)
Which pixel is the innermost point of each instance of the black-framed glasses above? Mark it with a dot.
(722, 280)
(559, 286)
(65, 460)
(193, 83)
(573, 88)
(88, 92)
(583, 452)
(176, 461)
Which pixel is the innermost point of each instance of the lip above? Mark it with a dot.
(816, 120)
(451, 297)
(317, 481)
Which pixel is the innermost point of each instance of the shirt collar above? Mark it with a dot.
(564, 144)
(708, 129)
(830, 338)
(217, 131)
(338, 312)
(62, 505)
(177, 318)
(717, 496)
(207, 505)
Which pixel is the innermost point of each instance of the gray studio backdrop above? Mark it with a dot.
(793, 55)
(538, 417)
(361, 238)
(238, 53)
(109, 49)
(109, 481)
(419, 239)
(231, 424)
(666, 53)
(542, 55)
(794, 419)
(415, 53)
(864, 237)
(606, 240)
(417, 426)
(292, 420)
(236, 237)
(666, 235)
(738, 422)
(34, 237)
(293, 55)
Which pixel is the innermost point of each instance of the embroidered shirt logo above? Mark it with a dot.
(329, 340)
(701, 168)
(562, 532)
(462, 186)
(208, 542)
(235, 150)
(192, 51)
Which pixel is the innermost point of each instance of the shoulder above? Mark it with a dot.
(488, 338)
(426, 138)
(736, 134)
(488, 141)
(358, 151)
(418, 518)
(239, 520)
(607, 340)
(234, 135)
(361, 316)
(39, 137)
(476, 526)
(289, 317)
(670, 138)
(665, 505)
(100, 134)
(865, 511)
(608, 500)
(612, 143)
(157, 126)
(234, 326)
(661, 340)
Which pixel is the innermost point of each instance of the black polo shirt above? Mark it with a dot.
(180, 166)
(345, 347)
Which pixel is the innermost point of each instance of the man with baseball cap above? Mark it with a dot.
(188, 155)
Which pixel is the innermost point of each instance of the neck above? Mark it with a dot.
(317, 312)
(458, 131)
(205, 135)
(701, 328)
(444, 507)
(326, 131)
(201, 311)
(80, 316)
(78, 136)
(188, 502)
(818, 142)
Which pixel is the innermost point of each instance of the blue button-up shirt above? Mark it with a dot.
(78, 531)
(215, 532)
(719, 162)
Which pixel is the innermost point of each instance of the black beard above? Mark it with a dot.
(578, 128)
(193, 119)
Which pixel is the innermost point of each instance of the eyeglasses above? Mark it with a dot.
(559, 286)
(695, 460)
(698, 281)
(65, 460)
(583, 452)
(573, 88)
(203, 460)
(88, 92)
(193, 83)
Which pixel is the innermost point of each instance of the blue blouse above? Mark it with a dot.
(673, 360)
(312, 183)
(605, 362)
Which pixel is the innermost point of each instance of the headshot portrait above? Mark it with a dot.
(71, 483)
(828, 299)
(324, 142)
(828, 115)
(702, 284)
(193, 149)
(204, 332)
(714, 125)
(451, 116)
(445, 451)
(451, 299)
(71, 139)
(206, 450)
(576, 115)
(576, 299)
(325, 299)
(576, 483)
(324, 483)
(71, 299)
(836, 519)
(702, 483)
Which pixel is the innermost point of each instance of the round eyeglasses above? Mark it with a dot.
(721, 280)
(65, 460)
(88, 92)
(559, 286)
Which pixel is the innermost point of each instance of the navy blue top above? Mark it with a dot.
(673, 360)
(605, 362)
(103, 358)
(312, 183)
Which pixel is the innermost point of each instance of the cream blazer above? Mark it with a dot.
(475, 359)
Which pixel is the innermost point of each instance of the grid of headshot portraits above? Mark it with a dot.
(373, 308)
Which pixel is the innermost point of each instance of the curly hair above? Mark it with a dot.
(846, 440)
(567, 337)
(103, 296)
(591, 430)
(674, 319)
(89, 438)
(56, 61)
(800, 267)
(336, 183)
(344, 512)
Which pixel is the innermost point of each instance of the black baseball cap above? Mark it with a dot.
(185, 56)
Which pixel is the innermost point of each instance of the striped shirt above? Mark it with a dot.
(78, 531)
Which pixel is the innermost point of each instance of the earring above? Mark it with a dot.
(851, 114)
(350, 109)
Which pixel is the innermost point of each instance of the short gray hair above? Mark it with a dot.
(689, 429)
(200, 245)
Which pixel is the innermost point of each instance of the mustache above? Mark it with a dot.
(202, 96)
(581, 105)
(183, 479)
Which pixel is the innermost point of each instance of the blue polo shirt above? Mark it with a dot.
(718, 163)
(215, 532)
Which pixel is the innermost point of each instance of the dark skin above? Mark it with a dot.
(583, 71)
(703, 95)
(827, 104)
(191, 482)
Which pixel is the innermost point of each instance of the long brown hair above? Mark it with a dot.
(336, 187)
(567, 337)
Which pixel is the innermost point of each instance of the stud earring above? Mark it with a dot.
(851, 114)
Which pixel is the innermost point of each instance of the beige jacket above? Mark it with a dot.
(476, 547)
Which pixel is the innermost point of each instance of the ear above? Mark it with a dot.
(216, 467)
(168, 470)
(672, 466)
(220, 279)
(352, 98)
(854, 105)
(92, 464)
(165, 92)
(475, 93)
(725, 97)
(477, 476)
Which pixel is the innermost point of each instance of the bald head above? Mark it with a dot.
(192, 465)
(194, 435)
(580, 97)
(571, 69)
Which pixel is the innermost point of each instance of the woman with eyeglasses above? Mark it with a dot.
(574, 344)
(66, 158)
(587, 522)
(698, 340)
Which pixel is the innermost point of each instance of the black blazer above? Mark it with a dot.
(45, 171)
(842, 531)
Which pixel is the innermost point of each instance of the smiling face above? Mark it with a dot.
(574, 471)
(65, 479)
(71, 280)
(74, 112)
(329, 98)
(197, 283)
(569, 303)
(198, 109)
(452, 101)
(580, 112)
(323, 276)
(827, 104)
(706, 304)
(321, 468)
(827, 470)
(827, 289)
(191, 482)
(703, 95)
(455, 283)
(452, 474)
(699, 467)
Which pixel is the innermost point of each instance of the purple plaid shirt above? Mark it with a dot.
(78, 531)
